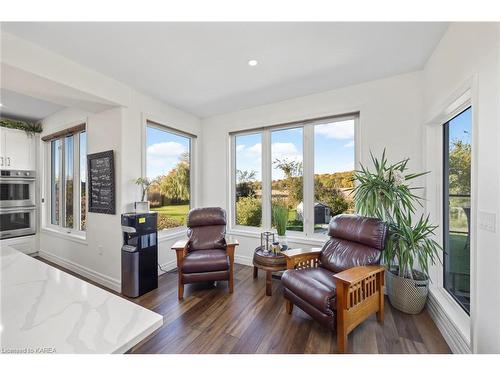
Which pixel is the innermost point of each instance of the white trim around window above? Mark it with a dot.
(456, 326)
(307, 235)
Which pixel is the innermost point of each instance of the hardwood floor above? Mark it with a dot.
(209, 320)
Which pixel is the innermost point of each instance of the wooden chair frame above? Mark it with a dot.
(181, 251)
(360, 292)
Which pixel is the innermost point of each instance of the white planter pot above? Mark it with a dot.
(141, 207)
(407, 295)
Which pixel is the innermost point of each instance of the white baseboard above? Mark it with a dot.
(241, 259)
(452, 335)
(99, 278)
(168, 266)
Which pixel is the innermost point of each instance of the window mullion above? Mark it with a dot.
(308, 173)
(76, 182)
(62, 182)
(266, 180)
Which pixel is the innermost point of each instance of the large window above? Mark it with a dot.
(457, 208)
(168, 167)
(68, 188)
(306, 167)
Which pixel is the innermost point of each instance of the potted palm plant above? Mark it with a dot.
(385, 193)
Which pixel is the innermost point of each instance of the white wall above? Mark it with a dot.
(469, 53)
(38, 72)
(390, 117)
(98, 255)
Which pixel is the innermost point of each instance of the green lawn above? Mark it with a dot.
(178, 212)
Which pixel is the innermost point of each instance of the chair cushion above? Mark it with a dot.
(207, 237)
(205, 261)
(315, 286)
(339, 255)
(367, 231)
(200, 217)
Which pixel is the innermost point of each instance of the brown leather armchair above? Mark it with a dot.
(341, 284)
(207, 254)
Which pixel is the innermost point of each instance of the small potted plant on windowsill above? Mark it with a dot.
(385, 194)
(143, 205)
(280, 221)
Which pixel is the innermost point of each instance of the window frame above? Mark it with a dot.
(148, 121)
(446, 206)
(76, 230)
(266, 172)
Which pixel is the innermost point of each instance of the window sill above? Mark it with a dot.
(456, 323)
(169, 234)
(250, 232)
(79, 238)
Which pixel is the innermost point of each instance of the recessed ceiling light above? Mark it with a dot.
(252, 62)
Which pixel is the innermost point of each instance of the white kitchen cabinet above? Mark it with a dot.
(17, 150)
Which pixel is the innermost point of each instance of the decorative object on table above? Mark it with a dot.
(280, 221)
(266, 240)
(269, 262)
(29, 127)
(101, 180)
(143, 206)
(341, 284)
(385, 193)
(276, 248)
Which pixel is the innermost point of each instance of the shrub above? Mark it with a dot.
(155, 203)
(249, 211)
(166, 222)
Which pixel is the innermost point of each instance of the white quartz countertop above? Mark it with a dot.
(45, 310)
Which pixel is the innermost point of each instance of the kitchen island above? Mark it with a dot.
(45, 310)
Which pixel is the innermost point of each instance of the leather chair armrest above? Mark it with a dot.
(180, 248)
(360, 293)
(356, 274)
(231, 241)
(231, 244)
(300, 258)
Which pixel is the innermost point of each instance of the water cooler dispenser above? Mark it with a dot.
(139, 253)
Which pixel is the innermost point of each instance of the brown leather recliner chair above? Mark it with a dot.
(207, 254)
(341, 284)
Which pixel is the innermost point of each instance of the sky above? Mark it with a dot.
(333, 151)
(460, 127)
(163, 151)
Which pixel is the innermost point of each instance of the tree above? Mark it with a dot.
(293, 181)
(175, 185)
(460, 167)
(245, 183)
(249, 211)
(290, 168)
(330, 196)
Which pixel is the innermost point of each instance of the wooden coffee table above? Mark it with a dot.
(269, 263)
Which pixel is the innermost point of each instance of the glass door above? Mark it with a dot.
(457, 208)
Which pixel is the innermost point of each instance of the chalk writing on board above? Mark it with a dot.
(101, 182)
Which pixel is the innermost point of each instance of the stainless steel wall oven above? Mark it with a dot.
(17, 203)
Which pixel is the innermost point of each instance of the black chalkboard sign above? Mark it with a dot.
(101, 180)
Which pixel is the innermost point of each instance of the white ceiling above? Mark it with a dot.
(202, 67)
(19, 106)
